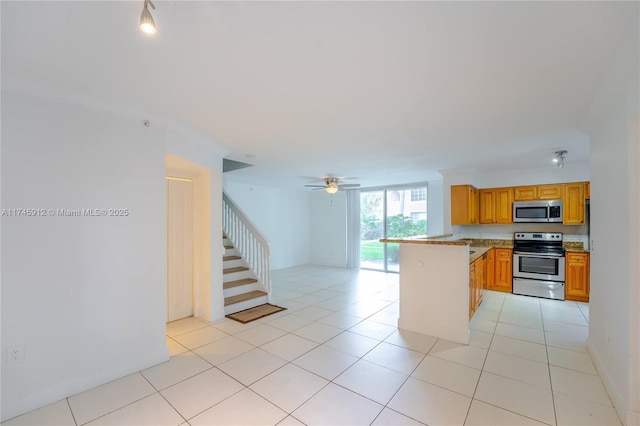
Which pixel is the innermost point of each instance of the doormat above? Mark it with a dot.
(255, 313)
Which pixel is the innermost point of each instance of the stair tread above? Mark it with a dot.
(237, 283)
(244, 296)
(236, 269)
(231, 258)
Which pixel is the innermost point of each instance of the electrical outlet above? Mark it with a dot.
(16, 354)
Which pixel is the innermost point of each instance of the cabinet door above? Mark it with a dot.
(487, 204)
(473, 202)
(577, 277)
(489, 269)
(464, 205)
(587, 190)
(503, 271)
(479, 272)
(573, 204)
(472, 285)
(503, 207)
(549, 192)
(525, 193)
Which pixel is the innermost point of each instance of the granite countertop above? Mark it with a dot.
(477, 252)
(438, 239)
(477, 245)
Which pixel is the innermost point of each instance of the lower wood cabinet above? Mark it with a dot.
(577, 276)
(503, 272)
(476, 283)
(490, 268)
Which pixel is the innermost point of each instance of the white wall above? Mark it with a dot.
(84, 296)
(328, 225)
(435, 208)
(282, 216)
(614, 330)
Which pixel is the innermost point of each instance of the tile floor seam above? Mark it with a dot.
(73, 416)
(546, 350)
(184, 419)
(116, 409)
(475, 389)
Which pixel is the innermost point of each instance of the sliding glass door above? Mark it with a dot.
(372, 254)
(389, 213)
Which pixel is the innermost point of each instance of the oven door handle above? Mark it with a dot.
(528, 253)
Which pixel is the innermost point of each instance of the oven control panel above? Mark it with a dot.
(538, 236)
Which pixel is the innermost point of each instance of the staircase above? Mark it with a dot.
(246, 262)
(241, 288)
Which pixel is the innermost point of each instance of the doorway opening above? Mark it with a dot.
(179, 248)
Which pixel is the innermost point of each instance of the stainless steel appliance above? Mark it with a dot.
(539, 264)
(537, 211)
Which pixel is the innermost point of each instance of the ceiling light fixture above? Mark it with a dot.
(147, 25)
(332, 187)
(559, 158)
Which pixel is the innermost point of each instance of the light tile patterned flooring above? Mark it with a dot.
(336, 357)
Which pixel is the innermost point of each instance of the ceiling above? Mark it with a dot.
(382, 92)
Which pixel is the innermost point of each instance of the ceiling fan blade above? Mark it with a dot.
(315, 186)
(349, 185)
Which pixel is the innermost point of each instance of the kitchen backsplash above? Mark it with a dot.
(577, 238)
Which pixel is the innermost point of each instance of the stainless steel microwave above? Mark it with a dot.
(537, 211)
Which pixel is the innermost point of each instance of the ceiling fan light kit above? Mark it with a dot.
(332, 186)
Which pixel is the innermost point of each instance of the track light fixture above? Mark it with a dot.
(559, 158)
(147, 25)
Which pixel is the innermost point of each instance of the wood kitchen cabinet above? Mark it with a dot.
(577, 276)
(464, 205)
(476, 279)
(496, 205)
(489, 268)
(537, 192)
(503, 270)
(587, 190)
(573, 206)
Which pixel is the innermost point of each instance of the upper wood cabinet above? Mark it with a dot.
(496, 205)
(577, 276)
(470, 206)
(464, 205)
(573, 206)
(537, 192)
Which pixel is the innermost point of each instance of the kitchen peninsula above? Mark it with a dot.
(434, 286)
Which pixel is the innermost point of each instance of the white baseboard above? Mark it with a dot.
(619, 402)
(12, 407)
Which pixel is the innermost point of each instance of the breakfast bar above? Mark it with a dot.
(434, 287)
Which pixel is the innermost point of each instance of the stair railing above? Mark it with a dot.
(247, 240)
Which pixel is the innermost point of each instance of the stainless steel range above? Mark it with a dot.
(538, 264)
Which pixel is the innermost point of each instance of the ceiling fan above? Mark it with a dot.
(332, 186)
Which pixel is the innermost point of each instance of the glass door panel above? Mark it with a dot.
(406, 216)
(371, 230)
(389, 213)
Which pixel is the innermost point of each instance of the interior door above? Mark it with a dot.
(179, 248)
